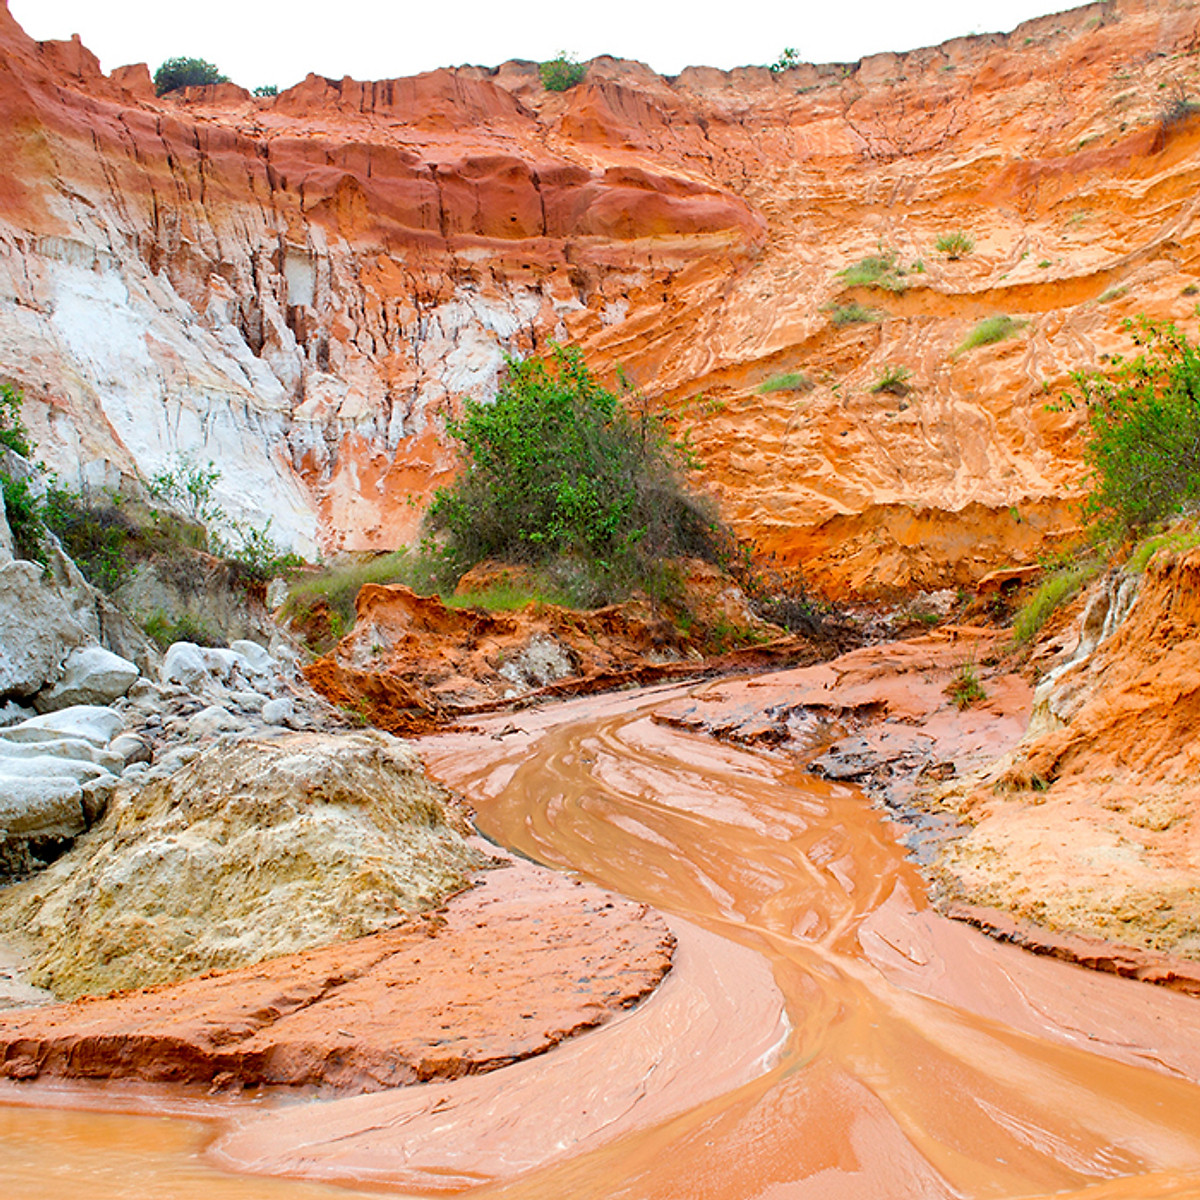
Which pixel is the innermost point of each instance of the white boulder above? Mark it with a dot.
(40, 806)
(91, 675)
(279, 712)
(92, 723)
(214, 720)
(37, 632)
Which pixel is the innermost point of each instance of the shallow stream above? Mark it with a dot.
(898, 1054)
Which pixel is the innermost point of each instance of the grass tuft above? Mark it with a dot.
(990, 330)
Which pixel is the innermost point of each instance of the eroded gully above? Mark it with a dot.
(823, 1034)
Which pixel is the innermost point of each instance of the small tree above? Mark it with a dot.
(178, 73)
(562, 72)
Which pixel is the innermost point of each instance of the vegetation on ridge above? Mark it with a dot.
(178, 73)
(562, 72)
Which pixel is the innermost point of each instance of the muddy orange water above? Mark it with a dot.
(823, 1034)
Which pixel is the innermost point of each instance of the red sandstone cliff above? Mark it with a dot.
(302, 288)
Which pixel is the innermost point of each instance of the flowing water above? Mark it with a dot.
(914, 1057)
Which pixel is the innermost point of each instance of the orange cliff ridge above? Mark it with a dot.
(302, 288)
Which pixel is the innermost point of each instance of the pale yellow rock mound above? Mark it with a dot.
(253, 850)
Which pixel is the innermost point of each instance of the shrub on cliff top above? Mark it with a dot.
(558, 472)
(561, 73)
(178, 73)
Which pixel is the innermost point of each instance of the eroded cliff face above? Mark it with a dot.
(303, 288)
(1088, 828)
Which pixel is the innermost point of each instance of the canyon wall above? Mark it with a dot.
(303, 288)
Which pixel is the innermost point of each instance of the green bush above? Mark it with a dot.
(13, 433)
(789, 58)
(955, 245)
(1143, 438)
(989, 330)
(96, 536)
(557, 473)
(561, 73)
(23, 512)
(266, 90)
(178, 73)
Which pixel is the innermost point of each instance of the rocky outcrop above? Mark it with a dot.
(302, 288)
(1088, 829)
(254, 849)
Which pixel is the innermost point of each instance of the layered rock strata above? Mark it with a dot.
(302, 288)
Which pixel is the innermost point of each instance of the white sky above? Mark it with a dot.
(267, 41)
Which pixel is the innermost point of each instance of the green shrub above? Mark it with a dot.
(561, 73)
(893, 379)
(791, 381)
(955, 245)
(13, 433)
(97, 536)
(178, 73)
(188, 486)
(557, 473)
(1057, 589)
(788, 59)
(23, 512)
(854, 314)
(989, 330)
(265, 90)
(1143, 438)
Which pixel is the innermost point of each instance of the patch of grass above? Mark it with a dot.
(790, 381)
(1174, 541)
(1045, 264)
(894, 380)
(880, 270)
(508, 595)
(338, 586)
(1055, 590)
(164, 631)
(965, 689)
(854, 314)
(990, 330)
(955, 245)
